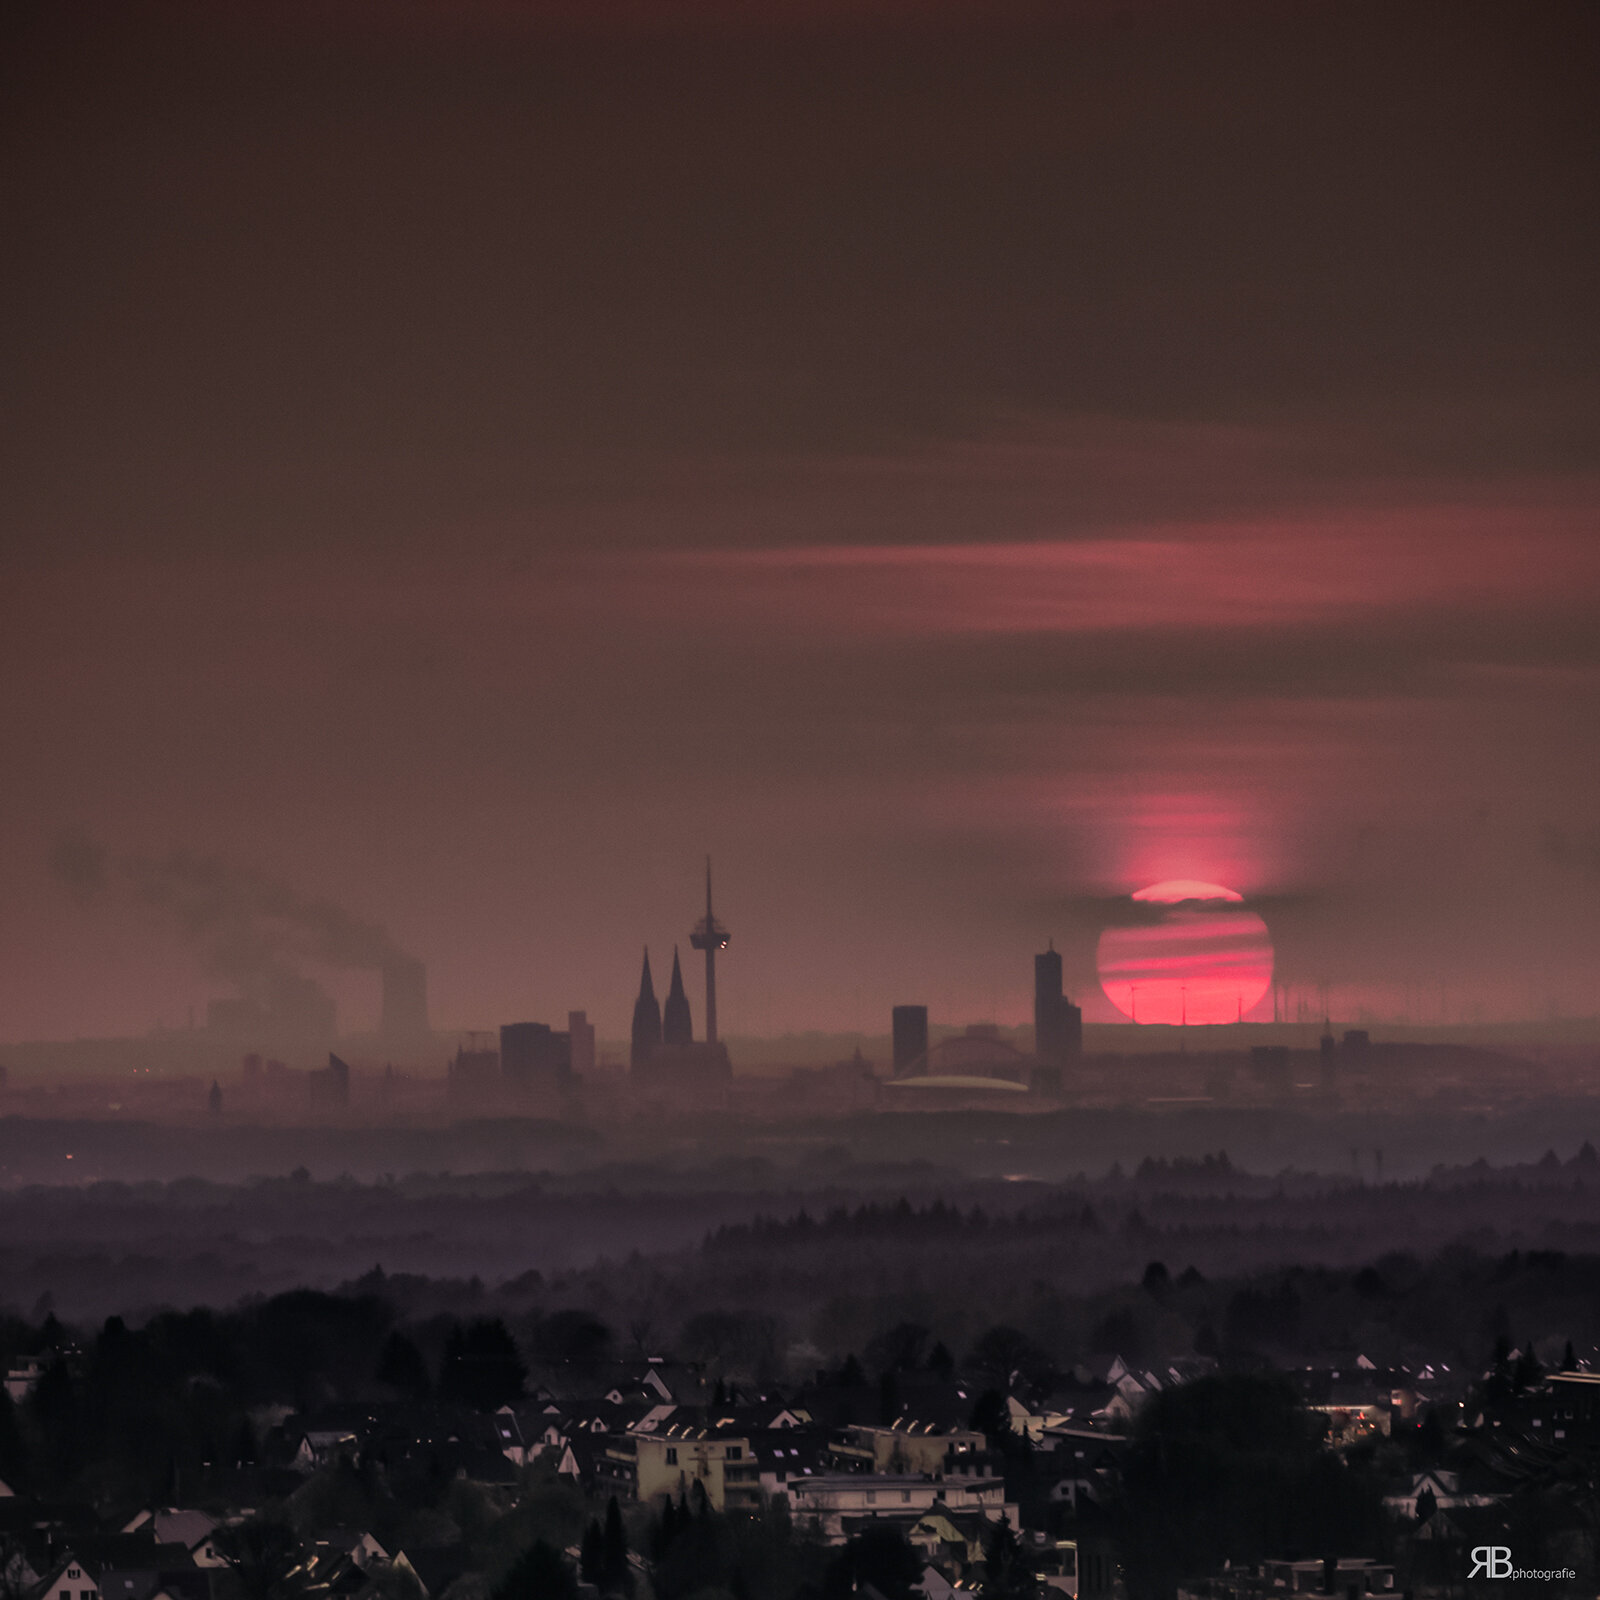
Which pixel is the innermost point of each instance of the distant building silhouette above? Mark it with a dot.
(975, 1061)
(677, 1026)
(1270, 1064)
(709, 935)
(581, 1031)
(213, 1100)
(472, 1079)
(534, 1057)
(910, 1037)
(646, 1022)
(1057, 1023)
(330, 1087)
(405, 998)
(664, 1059)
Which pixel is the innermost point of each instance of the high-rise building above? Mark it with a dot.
(1046, 1004)
(646, 1022)
(581, 1031)
(1057, 1023)
(533, 1056)
(910, 1037)
(677, 1026)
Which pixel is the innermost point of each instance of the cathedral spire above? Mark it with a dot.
(646, 1021)
(677, 1027)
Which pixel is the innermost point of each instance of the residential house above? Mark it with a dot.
(322, 1447)
(436, 1569)
(143, 1583)
(1079, 1462)
(906, 1447)
(70, 1578)
(829, 1500)
(783, 1455)
(671, 1461)
(1450, 1491)
(194, 1530)
(1349, 1578)
(359, 1547)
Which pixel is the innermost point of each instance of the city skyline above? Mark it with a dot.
(956, 466)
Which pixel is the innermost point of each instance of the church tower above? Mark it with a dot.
(677, 1028)
(646, 1021)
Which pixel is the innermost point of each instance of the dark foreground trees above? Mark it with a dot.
(539, 1573)
(1232, 1467)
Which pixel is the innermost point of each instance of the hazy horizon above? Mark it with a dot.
(954, 466)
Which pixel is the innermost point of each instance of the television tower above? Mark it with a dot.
(709, 935)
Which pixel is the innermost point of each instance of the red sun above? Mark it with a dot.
(1204, 958)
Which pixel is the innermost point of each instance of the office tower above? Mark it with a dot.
(534, 1056)
(677, 1027)
(910, 1038)
(1057, 1023)
(1047, 1044)
(646, 1022)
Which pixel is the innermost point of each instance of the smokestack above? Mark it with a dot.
(405, 998)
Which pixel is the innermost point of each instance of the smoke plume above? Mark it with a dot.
(247, 928)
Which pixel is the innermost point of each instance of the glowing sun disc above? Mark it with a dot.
(1205, 959)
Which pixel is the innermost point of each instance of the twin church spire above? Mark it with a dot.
(646, 1019)
(676, 1025)
(655, 1025)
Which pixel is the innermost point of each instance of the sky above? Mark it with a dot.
(461, 464)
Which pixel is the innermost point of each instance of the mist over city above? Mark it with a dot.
(800, 800)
